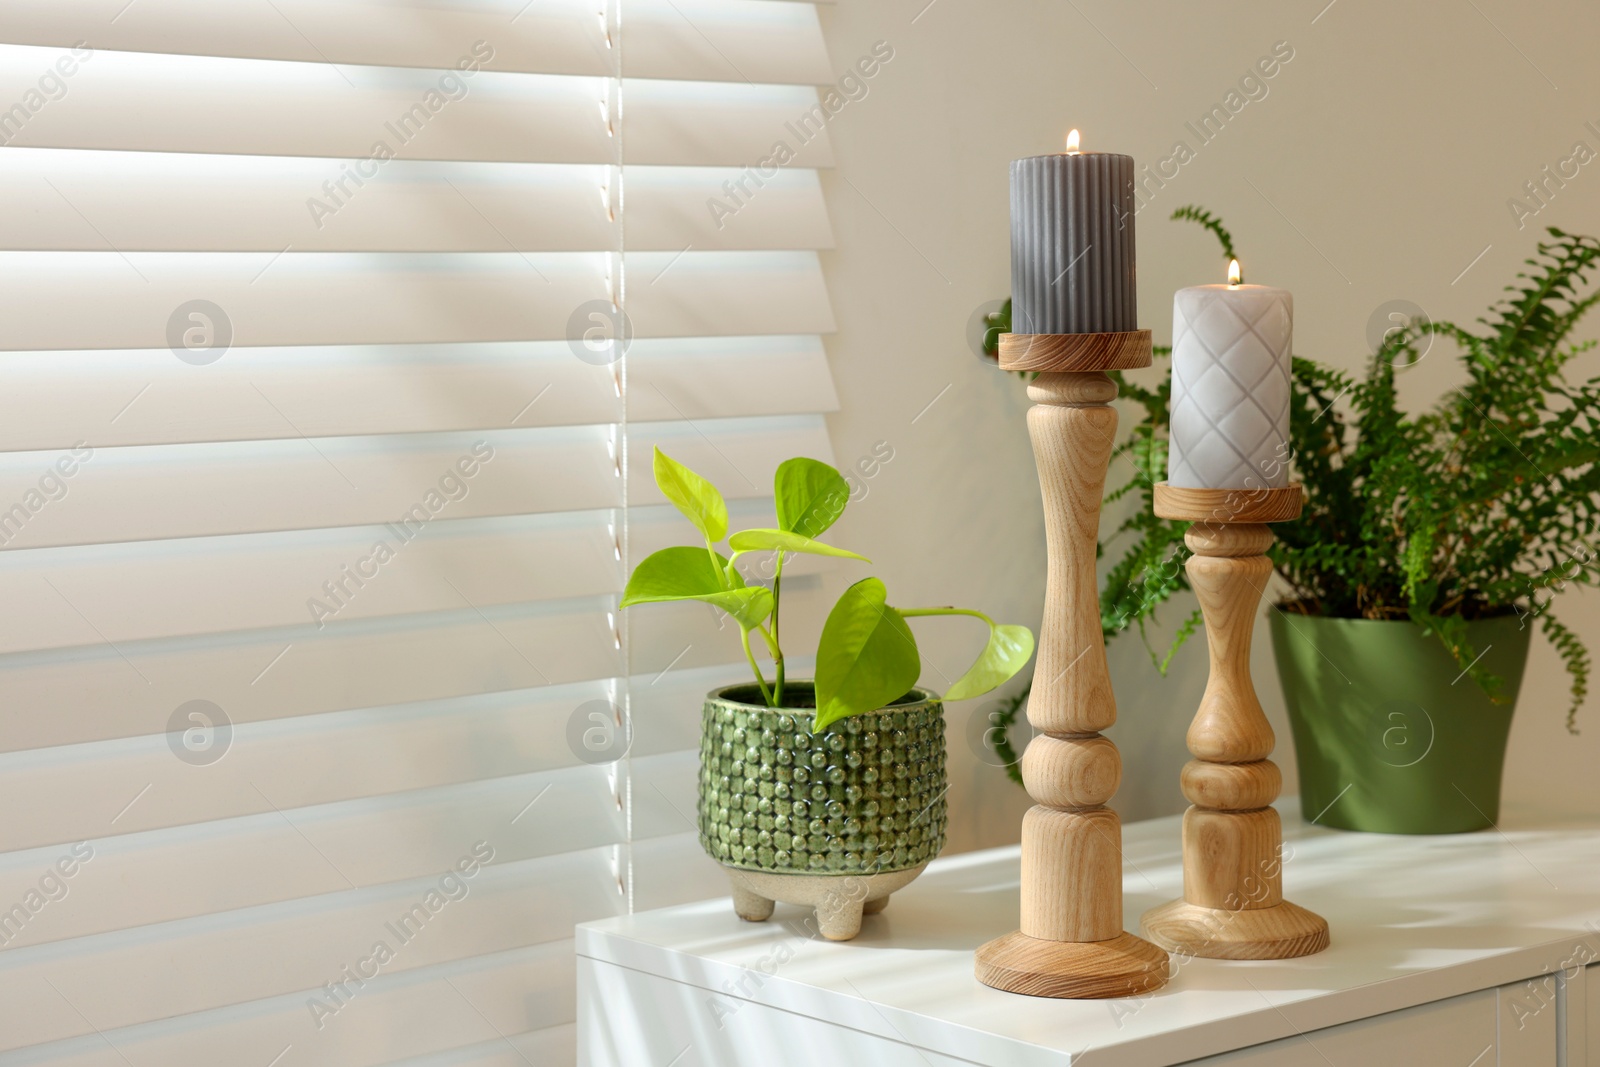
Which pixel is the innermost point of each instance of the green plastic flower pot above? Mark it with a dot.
(865, 796)
(1390, 735)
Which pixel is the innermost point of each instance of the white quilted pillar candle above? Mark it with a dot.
(1230, 387)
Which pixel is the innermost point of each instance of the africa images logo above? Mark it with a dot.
(452, 886)
(805, 127)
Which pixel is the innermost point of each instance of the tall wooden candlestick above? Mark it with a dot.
(1232, 906)
(1072, 943)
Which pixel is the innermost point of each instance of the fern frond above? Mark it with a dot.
(1186, 630)
(1195, 213)
(1451, 630)
(1578, 663)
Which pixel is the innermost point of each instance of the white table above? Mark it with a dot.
(1463, 949)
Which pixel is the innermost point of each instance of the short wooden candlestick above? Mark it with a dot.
(1232, 906)
(1072, 943)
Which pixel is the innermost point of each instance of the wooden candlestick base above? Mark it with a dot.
(1124, 966)
(1232, 906)
(1072, 943)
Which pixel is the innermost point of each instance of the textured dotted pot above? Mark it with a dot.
(834, 821)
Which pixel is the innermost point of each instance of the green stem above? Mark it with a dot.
(772, 644)
(716, 565)
(766, 694)
(777, 651)
(912, 612)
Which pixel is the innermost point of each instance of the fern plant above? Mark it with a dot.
(1486, 504)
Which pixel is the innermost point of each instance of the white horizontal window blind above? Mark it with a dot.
(318, 493)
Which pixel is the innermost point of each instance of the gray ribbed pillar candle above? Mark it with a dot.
(1072, 253)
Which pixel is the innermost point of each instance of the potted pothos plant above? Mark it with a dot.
(828, 791)
(1430, 547)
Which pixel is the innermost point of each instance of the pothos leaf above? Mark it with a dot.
(866, 656)
(749, 606)
(810, 496)
(687, 573)
(697, 498)
(1005, 654)
(756, 540)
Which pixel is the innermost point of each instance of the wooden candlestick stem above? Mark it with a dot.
(1232, 905)
(1071, 942)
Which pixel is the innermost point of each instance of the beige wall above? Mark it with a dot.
(1377, 167)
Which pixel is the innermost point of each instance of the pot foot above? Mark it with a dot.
(839, 918)
(839, 901)
(751, 907)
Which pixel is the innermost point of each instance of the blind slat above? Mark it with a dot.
(62, 200)
(156, 493)
(724, 40)
(173, 491)
(739, 466)
(700, 293)
(774, 42)
(552, 37)
(151, 590)
(425, 1019)
(303, 762)
(145, 591)
(674, 869)
(98, 692)
(255, 394)
(554, 1044)
(144, 299)
(379, 845)
(131, 102)
(124, 995)
(701, 378)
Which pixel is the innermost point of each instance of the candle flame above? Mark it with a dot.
(1233, 272)
(1072, 143)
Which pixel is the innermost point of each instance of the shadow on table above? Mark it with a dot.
(959, 907)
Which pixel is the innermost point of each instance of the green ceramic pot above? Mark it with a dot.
(1389, 736)
(865, 796)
